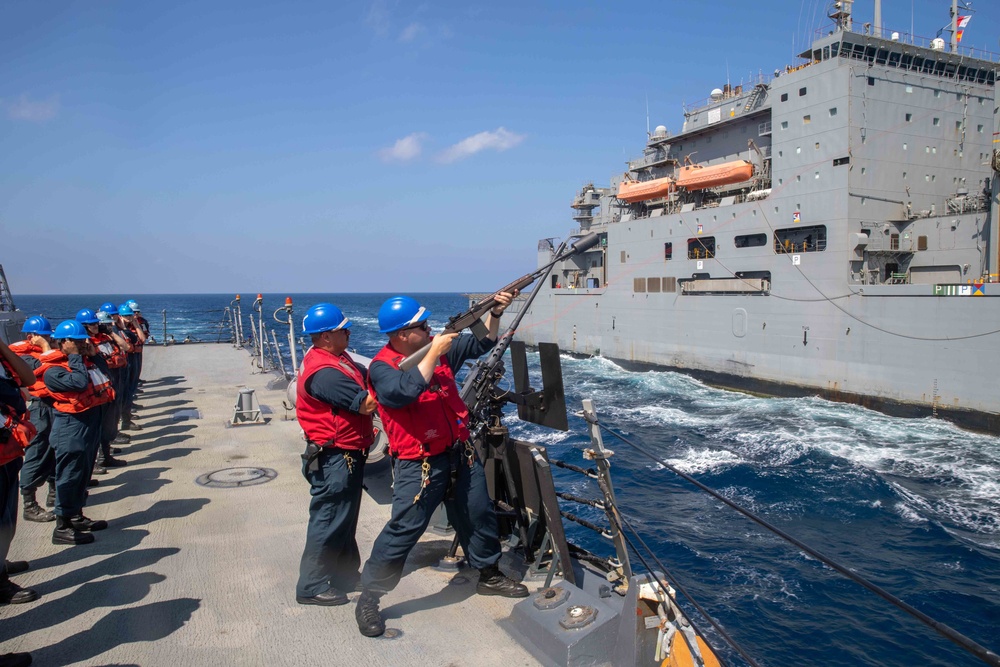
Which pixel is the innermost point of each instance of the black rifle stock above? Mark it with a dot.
(472, 318)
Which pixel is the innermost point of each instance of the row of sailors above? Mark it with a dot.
(66, 393)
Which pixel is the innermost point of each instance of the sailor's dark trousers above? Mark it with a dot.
(469, 508)
(111, 418)
(74, 437)
(39, 458)
(331, 556)
(8, 510)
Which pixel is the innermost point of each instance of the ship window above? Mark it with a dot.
(979, 129)
(652, 284)
(863, 170)
(921, 243)
(918, 62)
(802, 92)
(816, 176)
(871, 81)
(904, 145)
(936, 122)
(883, 55)
(833, 49)
(958, 125)
(904, 175)
(826, 53)
(937, 93)
(840, 161)
(784, 97)
(907, 60)
(701, 247)
(555, 282)
(806, 119)
(784, 125)
(833, 111)
(817, 55)
(668, 251)
(894, 59)
(909, 89)
(670, 284)
(623, 256)
(816, 145)
(638, 284)
(909, 117)
(870, 53)
(800, 239)
(751, 240)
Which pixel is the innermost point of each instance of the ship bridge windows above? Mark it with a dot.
(800, 239)
(668, 251)
(701, 247)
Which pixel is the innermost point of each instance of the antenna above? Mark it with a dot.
(647, 116)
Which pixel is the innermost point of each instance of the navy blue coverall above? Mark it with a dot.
(39, 459)
(331, 556)
(74, 437)
(468, 505)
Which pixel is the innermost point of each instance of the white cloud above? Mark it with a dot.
(411, 32)
(35, 111)
(405, 149)
(499, 140)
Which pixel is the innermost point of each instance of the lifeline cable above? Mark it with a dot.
(981, 652)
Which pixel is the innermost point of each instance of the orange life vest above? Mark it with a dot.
(25, 349)
(325, 424)
(110, 350)
(16, 433)
(98, 391)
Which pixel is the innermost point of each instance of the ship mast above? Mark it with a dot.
(840, 12)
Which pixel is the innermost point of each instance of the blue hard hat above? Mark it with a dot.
(399, 312)
(324, 317)
(37, 325)
(125, 310)
(70, 329)
(131, 303)
(108, 307)
(86, 316)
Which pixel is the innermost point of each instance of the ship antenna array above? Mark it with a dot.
(981, 652)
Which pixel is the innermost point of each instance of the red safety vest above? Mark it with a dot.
(110, 350)
(323, 423)
(98, 391)
(25, 349)
(430, 424)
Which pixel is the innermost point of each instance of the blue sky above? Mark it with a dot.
(348, 147)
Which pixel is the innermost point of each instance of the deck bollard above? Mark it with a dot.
(247, 409)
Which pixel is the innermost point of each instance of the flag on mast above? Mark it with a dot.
(963, 21)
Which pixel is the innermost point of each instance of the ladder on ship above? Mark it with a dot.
(756, 97)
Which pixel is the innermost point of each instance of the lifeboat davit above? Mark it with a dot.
(633, 191)
(699, 177)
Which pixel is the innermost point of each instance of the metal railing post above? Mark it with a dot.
(164, 341)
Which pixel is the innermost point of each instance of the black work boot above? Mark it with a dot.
(112, 462)
(86, 525)
(17, 566)
(121, 439)
(11, 593)
(370, 622)
(66, 533)
(494, 582)
(50, 497)
(35, 512)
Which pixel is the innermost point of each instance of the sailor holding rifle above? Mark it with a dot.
(426, 422)
(335, 411)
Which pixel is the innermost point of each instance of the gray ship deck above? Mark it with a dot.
(189, 575)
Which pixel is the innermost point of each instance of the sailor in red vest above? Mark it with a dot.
(426, 422)
(39, 459)
(334, 410)
(113, 349)
(77, 378)
(16, 432)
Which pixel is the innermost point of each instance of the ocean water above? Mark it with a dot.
(911, 504)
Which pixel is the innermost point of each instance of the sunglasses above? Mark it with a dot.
(422, 325)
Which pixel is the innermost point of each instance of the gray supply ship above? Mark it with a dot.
(831, 230)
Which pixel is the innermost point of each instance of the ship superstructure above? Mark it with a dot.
(831, 229)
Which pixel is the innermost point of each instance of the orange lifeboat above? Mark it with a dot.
(633, 191)
(698, 177)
